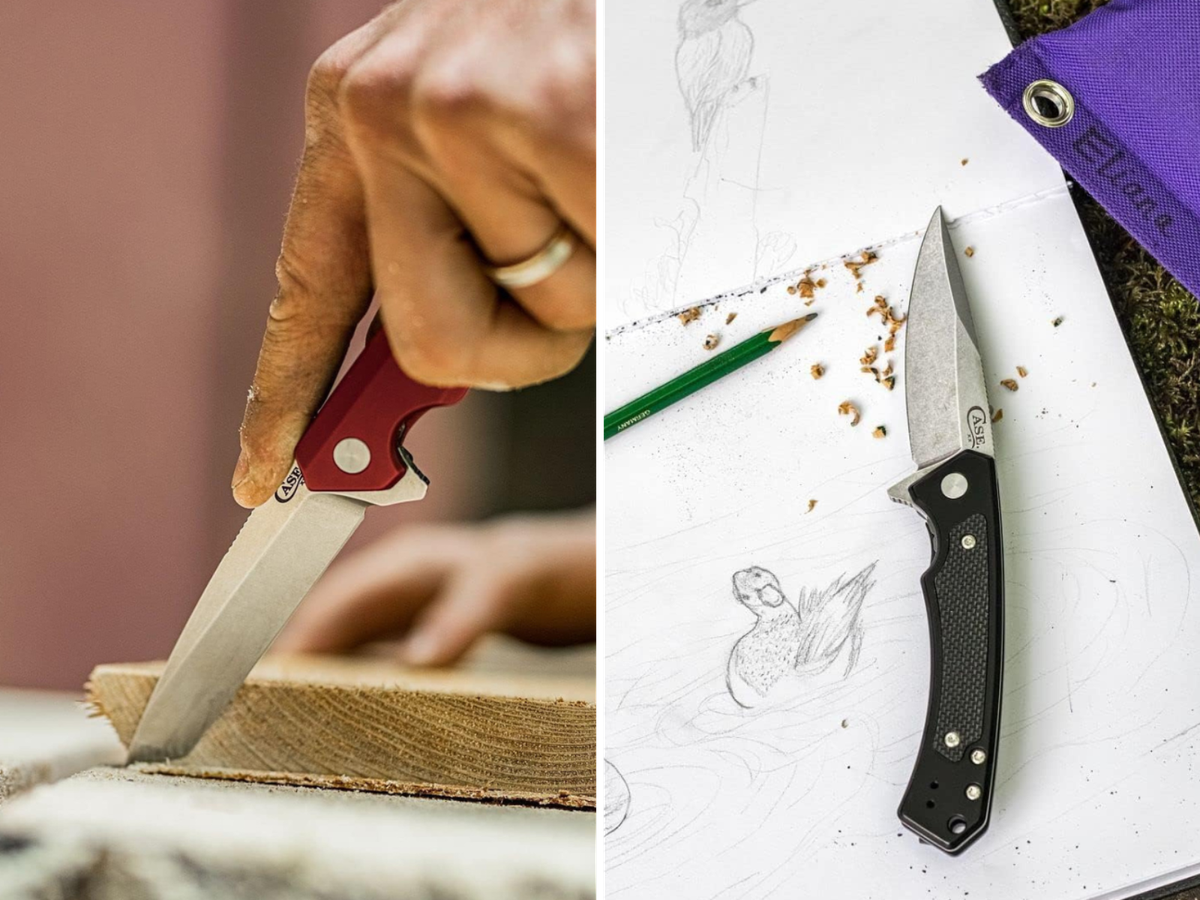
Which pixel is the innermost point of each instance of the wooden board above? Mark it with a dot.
(370, 725)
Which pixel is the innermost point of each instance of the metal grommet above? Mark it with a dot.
(1048, 103)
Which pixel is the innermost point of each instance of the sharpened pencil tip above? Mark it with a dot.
(781, 333)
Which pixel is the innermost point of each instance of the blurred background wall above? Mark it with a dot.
(146, 156)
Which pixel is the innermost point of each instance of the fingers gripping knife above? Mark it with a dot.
(351, 457)
(949, 796)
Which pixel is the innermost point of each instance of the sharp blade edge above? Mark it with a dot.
(281, 551)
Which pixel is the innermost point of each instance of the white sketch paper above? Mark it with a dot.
(1096, 786)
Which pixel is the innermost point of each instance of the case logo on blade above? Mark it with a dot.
(976, 427)
(287, 490)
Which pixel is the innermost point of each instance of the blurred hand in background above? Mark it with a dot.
(439, 588)
(443, 138)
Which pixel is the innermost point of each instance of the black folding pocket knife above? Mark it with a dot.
(949, 797)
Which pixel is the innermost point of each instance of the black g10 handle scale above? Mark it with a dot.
(949, 797)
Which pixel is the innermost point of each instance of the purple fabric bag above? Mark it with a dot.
(1131, 105)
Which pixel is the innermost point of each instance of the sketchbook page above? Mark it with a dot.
(774, 133)
(780, 768)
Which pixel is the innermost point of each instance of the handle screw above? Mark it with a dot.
(978, 757)
(952, 739)
(968, 542)
(974, 792)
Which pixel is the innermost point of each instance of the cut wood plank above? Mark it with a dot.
(370, 725)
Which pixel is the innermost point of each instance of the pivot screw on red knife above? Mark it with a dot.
(353, 444)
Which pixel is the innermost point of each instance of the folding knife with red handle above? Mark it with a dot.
(351, 457)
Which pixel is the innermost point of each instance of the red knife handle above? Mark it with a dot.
(375, 404)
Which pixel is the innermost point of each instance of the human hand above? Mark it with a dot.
(443, 137)
(442, 587)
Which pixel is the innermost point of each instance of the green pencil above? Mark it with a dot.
(701, 376)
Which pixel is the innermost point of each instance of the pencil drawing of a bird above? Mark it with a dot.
(711, 61)
(802, 640)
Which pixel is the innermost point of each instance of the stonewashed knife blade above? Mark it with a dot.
(350, 458)
(949, 796)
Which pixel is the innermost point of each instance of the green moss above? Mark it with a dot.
(1037, 16)
(1160, 318)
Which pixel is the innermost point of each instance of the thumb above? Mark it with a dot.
(324, 289)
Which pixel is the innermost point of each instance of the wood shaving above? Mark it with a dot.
(879, 432)
(1022, 371)
(890, 319)
(856, 265)
(1010, 383)
(812, 504)
(846, 408)
(806, 287)
(689, 315)
(817, 370)
(711, 341)
(998, 415)
(969, 252)
(729, 318)
(885, 377)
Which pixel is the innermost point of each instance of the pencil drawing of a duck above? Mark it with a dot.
(803, 640)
